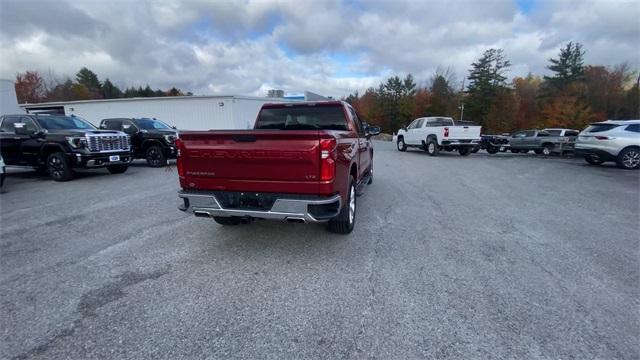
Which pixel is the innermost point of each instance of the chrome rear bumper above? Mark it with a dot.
(204, 204)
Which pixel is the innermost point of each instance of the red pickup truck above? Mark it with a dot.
(302, 162)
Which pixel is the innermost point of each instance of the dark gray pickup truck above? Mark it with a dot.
(545, 141)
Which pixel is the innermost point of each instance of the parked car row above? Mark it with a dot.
(60, 144)
(617, 141)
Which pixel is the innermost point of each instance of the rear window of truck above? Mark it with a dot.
(302, 117)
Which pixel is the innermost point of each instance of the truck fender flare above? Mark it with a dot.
(48, 148)
(150, 142)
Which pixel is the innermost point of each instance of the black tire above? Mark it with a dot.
(515, 151)
(117, 169)
(402, 146)
(493, 149)
(346, 219)
(58, 167)
(227, 221)
(432, 147)
(475, 149)
(464, 151)
(524, 151)
(155, 156)
(593, 161)
(629, 158)
(547, 150)
(370, 175)
(538, 151)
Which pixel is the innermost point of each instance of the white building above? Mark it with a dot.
(8, 100)
(183, 112)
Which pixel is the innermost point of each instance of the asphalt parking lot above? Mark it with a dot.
(488, 256)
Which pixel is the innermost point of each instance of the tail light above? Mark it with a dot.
(179, 149)
(327, 159)
(446, 132)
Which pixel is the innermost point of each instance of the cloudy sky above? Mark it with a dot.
(329, 47)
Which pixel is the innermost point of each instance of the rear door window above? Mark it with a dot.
(113, 124)
(553, 132)
(596, 128)
(633, 128)
(571, 133)
(7, 123)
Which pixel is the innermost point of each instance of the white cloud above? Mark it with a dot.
(330, 47)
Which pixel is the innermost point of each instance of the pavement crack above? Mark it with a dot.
(90, 302)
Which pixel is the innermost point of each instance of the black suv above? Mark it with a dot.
(59, 144)
(151, 139)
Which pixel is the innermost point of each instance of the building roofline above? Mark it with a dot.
(193, 97)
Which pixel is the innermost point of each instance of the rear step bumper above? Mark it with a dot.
(203, 204)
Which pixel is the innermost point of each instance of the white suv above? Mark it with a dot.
(611, 140)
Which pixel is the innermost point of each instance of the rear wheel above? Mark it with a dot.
(345, 221)
(227, 220)
(401, 145)
(117, 169)
(432, 147)
(464, 151)
(547, 150)
(58, 167)
(515, 151)
(155, 157)
(538, 151)
(593, 161)
(629, 158)
(492, 149)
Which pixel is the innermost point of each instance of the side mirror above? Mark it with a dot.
(373, 130)
(174, 128)
(40, 133)
(20, 129)
(103, 126)
(128, 129)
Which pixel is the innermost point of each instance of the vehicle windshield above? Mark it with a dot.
(302, 118)
(64, 123)
(150, 124)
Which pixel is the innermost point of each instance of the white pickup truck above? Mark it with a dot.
(433, 134)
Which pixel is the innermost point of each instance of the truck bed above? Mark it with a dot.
(251, 160)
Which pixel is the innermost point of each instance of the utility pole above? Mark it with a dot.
(638, 97)
(461, 107)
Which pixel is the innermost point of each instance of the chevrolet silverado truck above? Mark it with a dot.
(302, 162)
(433, 134)
(60, 144)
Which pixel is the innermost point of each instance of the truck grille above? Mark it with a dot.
(105, 143)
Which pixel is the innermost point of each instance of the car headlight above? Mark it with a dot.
(170, 139)
(77, 142)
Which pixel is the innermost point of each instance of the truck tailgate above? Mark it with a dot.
(464, 132)
(250, 160)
